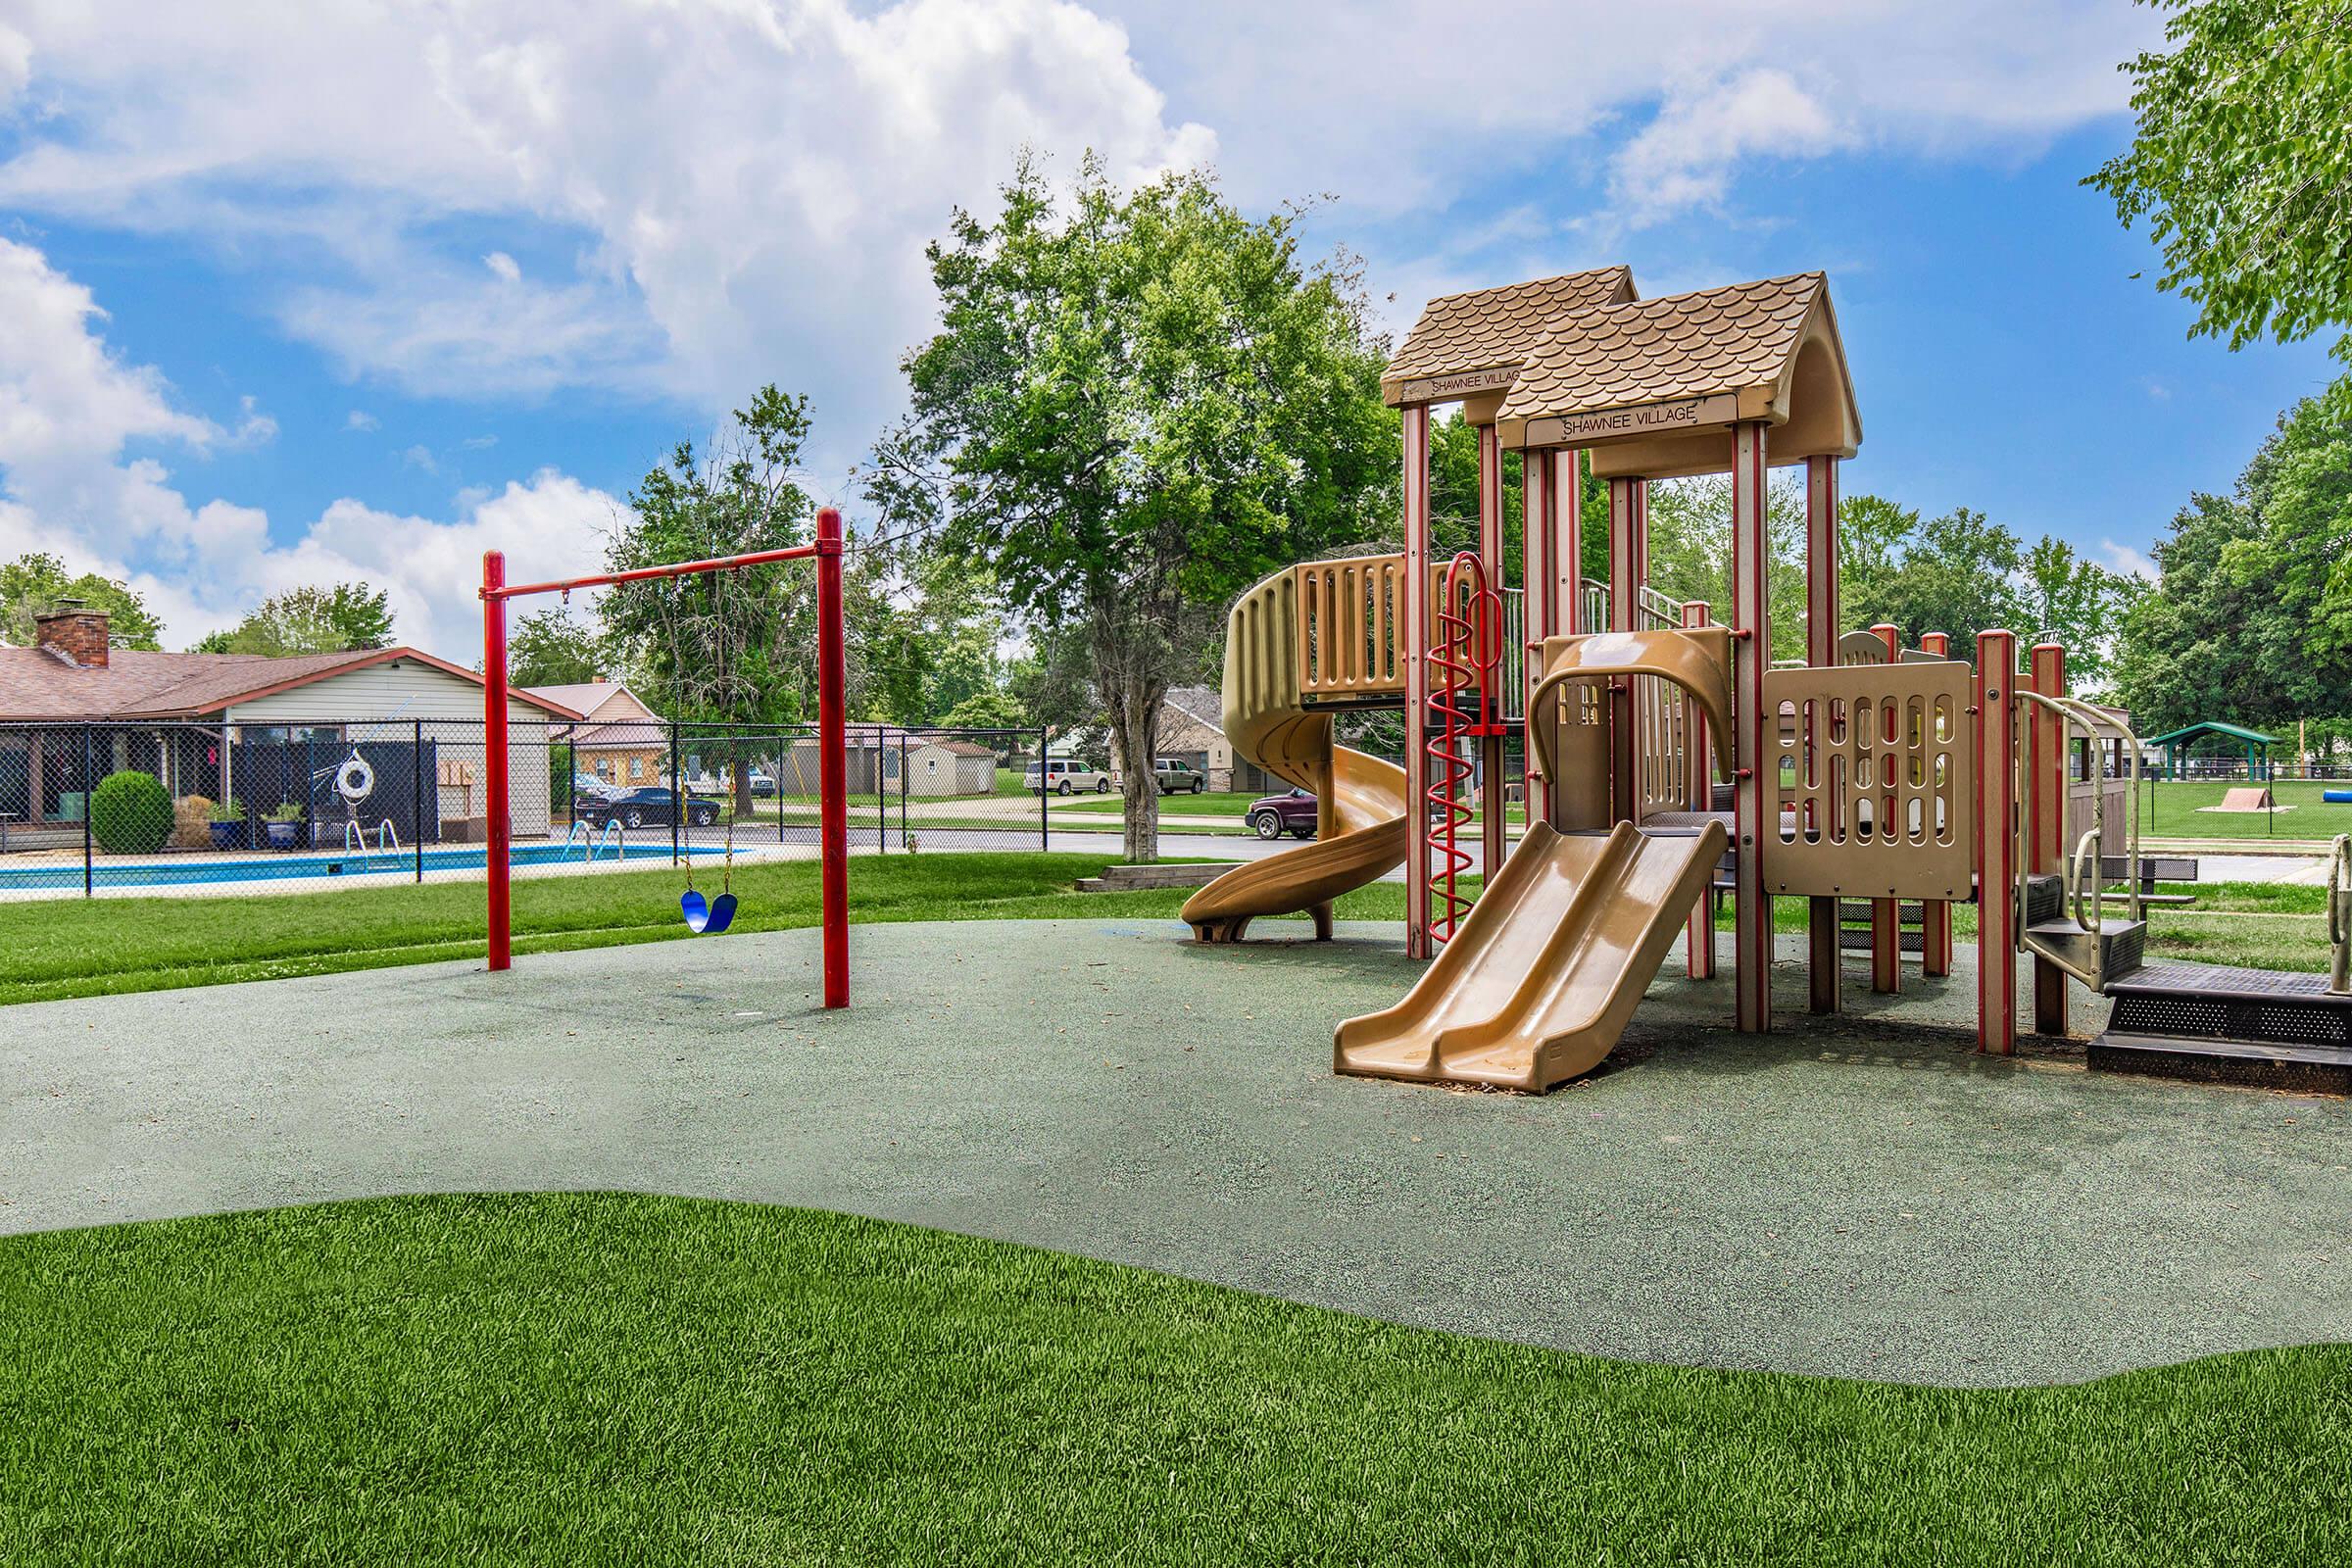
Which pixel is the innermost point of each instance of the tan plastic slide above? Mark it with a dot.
(1541, 978)
(1361, 798)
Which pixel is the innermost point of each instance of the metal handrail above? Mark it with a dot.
(2093, 721)
(354, 838)
(2340, 914)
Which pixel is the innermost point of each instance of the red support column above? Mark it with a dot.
(1936, 915)
(1493, 814)
(1997, 844)
(498, 824)
(2045, 842)
(1698, 936)
(832, 740)
(1755, 797)
(1539, 522)
(1824, 952)
(1417, 680)
(1626, 497)
(1886, 914)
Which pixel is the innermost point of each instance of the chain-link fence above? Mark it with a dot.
(195, 807)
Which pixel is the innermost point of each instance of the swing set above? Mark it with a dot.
(704, 917)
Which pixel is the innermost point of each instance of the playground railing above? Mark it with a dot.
(2086, 884)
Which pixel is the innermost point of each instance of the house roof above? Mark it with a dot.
(1203, 705)
(1493, 328)
(958, 748)
(619, 717)
(37, 685)
(2213, 726)
(1768, 349)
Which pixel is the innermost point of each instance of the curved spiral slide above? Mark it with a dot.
(1362, 797)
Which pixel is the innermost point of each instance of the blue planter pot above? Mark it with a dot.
(282, 834)
(227, 835)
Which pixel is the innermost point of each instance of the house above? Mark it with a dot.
(1192, 731)
(949, 767)
(935, 766)
(268, 733)
(621, 741)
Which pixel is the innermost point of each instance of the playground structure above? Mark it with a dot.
(833, 828)
(1668, 757)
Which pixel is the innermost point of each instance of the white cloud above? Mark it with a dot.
(420, 457)
(1685, 157)
(502, 266)
(72, 413)
(362, 419)
(2125, 560)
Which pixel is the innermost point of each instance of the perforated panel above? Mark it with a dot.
(1876, 771)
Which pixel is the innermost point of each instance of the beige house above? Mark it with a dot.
(622, 742)
(1192, 731)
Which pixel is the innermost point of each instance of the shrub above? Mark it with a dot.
(130, 813)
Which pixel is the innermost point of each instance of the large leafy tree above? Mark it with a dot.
(33, 583)
(310, 620)
(2185, 654)
(1958, 573)
(552, 647)
(2241, 165)
(1138, 403)
(2072, 602)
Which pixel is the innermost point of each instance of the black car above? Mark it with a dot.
(655, 806)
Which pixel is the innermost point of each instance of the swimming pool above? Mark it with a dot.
(178, 872)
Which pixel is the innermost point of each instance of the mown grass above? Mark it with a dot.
(73, 946)
(585, 1378)
(2171, 809)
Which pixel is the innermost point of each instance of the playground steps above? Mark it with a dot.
(2220, 1025)
(2098, 957)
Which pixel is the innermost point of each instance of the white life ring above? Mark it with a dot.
(355, 780)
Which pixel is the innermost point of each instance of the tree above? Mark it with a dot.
(2241, 165)
(1690, 551)
(549, 647)
(724, 649)
(33, 583)
(1958, 575)
(2072, 602)
(310, 620)
(2185, 654)
(1138, 403)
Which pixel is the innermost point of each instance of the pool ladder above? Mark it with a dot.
(355, 839)
(614, 834)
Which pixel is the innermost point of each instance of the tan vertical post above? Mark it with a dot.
(1886, 914)
(2046, 816)
(1755, 798)
(1539, 521)
(1417, 680)
(1823, 948)
(1568, 544)
(1493, 813)
(1698, 936)
(1996, 843)
(1936, 915)
(1625, 597)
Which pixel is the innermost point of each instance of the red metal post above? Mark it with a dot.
(1996, 843)
(1936, 915)
(1755, 796)
(1824, 948)
(498, 826)
(1626, 571)
(1538, 516)
(1494, 813)
(1886, 914)
(832, 739)
(1698, 936)
(1416, 680)
(2046, 845)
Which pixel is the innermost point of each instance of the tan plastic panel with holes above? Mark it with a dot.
(1877, 776)
(1351, 620)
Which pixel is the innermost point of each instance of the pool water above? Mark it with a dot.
(284, 868)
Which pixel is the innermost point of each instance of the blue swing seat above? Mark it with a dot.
(706, 918)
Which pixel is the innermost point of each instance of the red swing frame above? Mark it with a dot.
(833, 808)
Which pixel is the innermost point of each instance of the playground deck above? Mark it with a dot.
(1849, 1197)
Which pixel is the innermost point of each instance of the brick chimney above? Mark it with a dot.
(73, 632)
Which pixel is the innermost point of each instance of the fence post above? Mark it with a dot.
(89, 880)
(1045, 828)
(678, 791)
(902, 786)
(881, 800)
(417, 799)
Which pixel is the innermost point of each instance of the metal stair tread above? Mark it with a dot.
(2226, 1046)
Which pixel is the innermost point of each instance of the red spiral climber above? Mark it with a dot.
(1466, 651)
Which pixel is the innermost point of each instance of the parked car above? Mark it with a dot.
(654, 806)
(1293, 812)
(1065, 776)
(763, 788)
(1175, 776)
(586, 787)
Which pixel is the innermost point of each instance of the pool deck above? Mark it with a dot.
(1864, 1196)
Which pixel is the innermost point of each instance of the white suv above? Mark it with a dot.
(1065, 776)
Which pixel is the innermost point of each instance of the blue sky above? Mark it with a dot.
(359, 296)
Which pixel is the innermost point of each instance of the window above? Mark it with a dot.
(604, 767)
(636, 767)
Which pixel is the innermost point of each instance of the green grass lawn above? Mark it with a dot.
(1213, 803)
(598, 1378)
(2169, 809)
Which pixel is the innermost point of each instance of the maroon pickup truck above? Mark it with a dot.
(1291, 813)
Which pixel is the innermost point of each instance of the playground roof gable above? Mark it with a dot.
(1652, 386)
(2213, 726)
(1489, 329)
